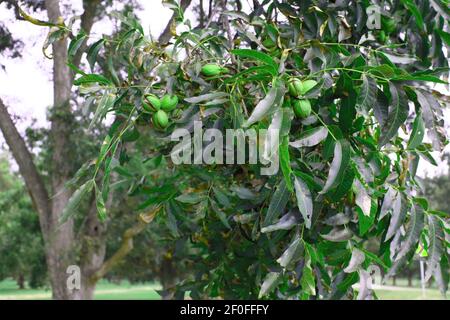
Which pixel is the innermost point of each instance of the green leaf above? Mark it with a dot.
(356, 260)
(364, 289)
(304, 200)
(415, 12)
(311, 137)
(334, 132)
(277, 203)
(445, 36)
(314, 253)
(288, 116)
(417, 133)
(93, 52)
(363, 199)
(105, 103)
(365, 222)
(442, 276)
(263, 70)
(285, 162)
(347, 113)
(257, 55)
(427, 156)
(52, 37)
(103, 151)
(398, 113)
(338, 234)
(292, 254)
(81, 173)
(429, 107)
(266, 106)
(244, 193)
(413, 232)
(367, 97)
(287, 222)
(191, 198)
(338, 219)
(92, 78)
(222, 216)
(372, 257)
(307, 281)
(171, 221)
(76, 43)
(342, 189)
(436, 248)
(269, 284)
(272, 145)
(101, 208)
(221, 197)
(388, 201)
(383, 70)
(206, 97)
(398, 215)
(341, 160)
(75, 200)
(112, 71)
(419, 77)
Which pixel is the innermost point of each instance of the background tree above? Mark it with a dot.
(63, 148)
(21, 245)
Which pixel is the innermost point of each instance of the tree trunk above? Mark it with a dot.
(92, 252)
(21, 281)
(168, 278)
(410, 276)
(61, 237)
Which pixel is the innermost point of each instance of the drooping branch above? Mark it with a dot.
(127, 244)
(28, 170)
(166, 35)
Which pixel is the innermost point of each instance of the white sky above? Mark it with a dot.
(26, 86)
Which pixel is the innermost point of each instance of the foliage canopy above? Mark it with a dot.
(347, 165)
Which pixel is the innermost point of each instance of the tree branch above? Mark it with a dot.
(226, 25)
(202, 14)
(127, 244)
(87, 21)
(33, 180)
(166, 35)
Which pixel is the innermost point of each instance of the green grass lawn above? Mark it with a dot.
(105, 291)
(411, 294)
(126, 291)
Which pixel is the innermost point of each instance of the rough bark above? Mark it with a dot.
(92, 251)
(168, 279)
(21, 281)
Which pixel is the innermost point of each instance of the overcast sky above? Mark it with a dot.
(25, 85)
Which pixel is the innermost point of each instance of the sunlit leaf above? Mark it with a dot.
(311, 137)
(304, 200)
(340, 162)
